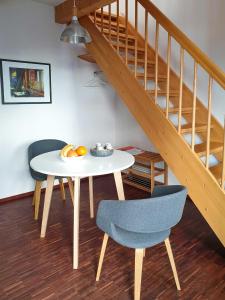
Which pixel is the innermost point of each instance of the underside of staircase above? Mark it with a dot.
(156, 95)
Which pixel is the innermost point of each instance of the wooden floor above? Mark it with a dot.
(34, 268)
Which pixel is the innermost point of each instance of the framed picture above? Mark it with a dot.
(24, 82)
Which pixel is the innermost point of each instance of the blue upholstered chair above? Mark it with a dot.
(141, 224)
(40, 147)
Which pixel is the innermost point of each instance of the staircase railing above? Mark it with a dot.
(215, 74)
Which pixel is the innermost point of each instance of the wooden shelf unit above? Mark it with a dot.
(146, 181)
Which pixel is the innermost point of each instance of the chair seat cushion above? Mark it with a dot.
(137, 240)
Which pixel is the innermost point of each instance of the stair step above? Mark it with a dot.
(199, 127)
(121, 35)
(106, 22)
(215, 147)
(105, 15)
(129, 47)
(87, 57)
(173, 93)
(140, 61)
(175, 110)
(217, 171)
(151, 76)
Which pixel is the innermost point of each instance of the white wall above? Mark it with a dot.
(79, 115)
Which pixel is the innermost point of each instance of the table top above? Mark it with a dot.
(50, 163)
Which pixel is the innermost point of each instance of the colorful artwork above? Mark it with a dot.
(25, 82)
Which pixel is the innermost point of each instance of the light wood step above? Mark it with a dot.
(199, 127)
(173, 93)
(129, 47)
(175, 110)
(151, 76)
(217, 171)
(140, 61)
(215, 147)
(122, 36)
(105, 15)
(87, 57)
(107, 23)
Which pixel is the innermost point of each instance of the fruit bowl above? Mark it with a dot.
(71, 159)
(70, 154)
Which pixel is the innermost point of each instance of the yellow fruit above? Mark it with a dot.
(65, 150)
(81, 150)
(72, 153)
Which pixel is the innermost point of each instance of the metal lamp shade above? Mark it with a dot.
(75, 33)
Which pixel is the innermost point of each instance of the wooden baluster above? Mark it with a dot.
(126, 25)
(181, 88)
(146, 50)
(101, 19)
(110, 23)
(117, 28)
(136, 38)
(168, 75)
(209, 121)
(156, 59)
(95, 17)
(194, 106)
(223, 161)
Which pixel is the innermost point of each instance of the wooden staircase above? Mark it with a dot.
(153, 92)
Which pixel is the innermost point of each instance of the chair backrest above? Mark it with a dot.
(158, 213)
(40, 147)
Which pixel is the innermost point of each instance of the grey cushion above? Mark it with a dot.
(145, 222)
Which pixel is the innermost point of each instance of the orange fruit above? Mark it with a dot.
(81, 150)
(72, 153)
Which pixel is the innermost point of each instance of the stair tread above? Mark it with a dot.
(87, 57)
(163, 92)
(129, 47)
(215, 147)
(141, 61)
(121, 35)
(106, 14)
(106, 22)
(217, 171)
(199, 127)
(176, 110)
(151, 76)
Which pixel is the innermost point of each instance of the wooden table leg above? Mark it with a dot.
(119, 185)
(48, 198)
(91, 196)
(76, 214)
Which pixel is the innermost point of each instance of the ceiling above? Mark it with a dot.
(50, 2)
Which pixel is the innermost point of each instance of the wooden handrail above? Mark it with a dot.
(199, 56)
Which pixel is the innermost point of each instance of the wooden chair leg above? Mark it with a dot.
(37, 197)
(91, 196)
(70, 182)
(172, 262)
(34, 196)
(139, 253)
(62, 189)
(102, 254)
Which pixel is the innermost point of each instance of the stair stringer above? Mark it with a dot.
(185, 164)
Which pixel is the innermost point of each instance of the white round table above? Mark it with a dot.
(51, 164)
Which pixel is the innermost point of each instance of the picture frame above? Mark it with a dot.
(25, 82)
